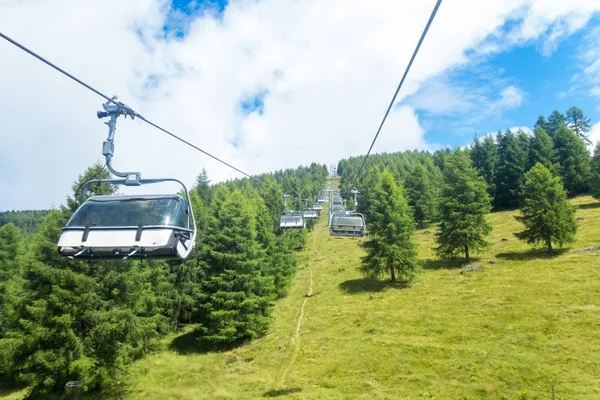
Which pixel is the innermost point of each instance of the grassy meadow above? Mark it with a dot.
(524, 326)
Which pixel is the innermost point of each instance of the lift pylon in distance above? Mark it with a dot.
(148, 226)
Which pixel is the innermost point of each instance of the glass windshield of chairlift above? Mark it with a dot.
(355, 221)
(130, 211)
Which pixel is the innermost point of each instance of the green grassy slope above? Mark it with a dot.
(525, 326)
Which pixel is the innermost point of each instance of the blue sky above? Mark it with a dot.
(547, 82)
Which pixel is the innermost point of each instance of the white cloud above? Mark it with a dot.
(329, 69)
(590, 59)
(467, 99)
(510, 97)
(594, 134)
(550, 21)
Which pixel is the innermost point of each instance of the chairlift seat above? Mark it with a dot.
(347, 224)
(338, 208)
(310, 213)
(112, 227)
(293, 220)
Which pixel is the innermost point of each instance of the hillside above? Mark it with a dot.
(525, 326)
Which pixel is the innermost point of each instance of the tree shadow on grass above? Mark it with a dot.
(436, 263)
(7, 386)
(282, 392)
(589, 206)
(354, 286)
(188, 343)
(531, 254)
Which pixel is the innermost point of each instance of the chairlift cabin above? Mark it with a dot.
(317, 207)
(292, 220)
(145, 226)
(148, 226)
(321, 198)
(347, 224)
(310, 213)
(338, 208)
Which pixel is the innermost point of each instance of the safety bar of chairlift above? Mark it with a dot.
(347, 233)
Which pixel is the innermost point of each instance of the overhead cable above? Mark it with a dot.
(414, 55)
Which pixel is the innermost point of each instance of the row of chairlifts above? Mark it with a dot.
(149, 226)
(345, 223)
(291, 219)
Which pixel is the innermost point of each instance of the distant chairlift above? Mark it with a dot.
(309, 213)
(317, 205)
(322, 199)
(348, 223)
(291, 219)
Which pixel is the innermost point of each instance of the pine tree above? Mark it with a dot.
(546, 213)
(509, 171)
(578, 123)
(464, 207)
(542, 151)
(203, 187)
(542, 123)
(484, 157)
(555, 121)
(364, 197)
(420, 194)
(595, 173)
(79, 321)
(390, 248)
(574, 160)
(10, 276)
(236, 294)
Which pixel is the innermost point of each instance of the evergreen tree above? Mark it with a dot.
(439, 158)
(369, 182)
(79, 321)
(578, 122)
(390, 248)
(420, 194)
(509, 171)
(484, 157)
(203, 187)
(595, 173)
(236, 294)
(546, 213)
(10, 279)
(574, 160)
(555, 121)
(542, 123)
(541, 150)
(464, 207)
(524, 141)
